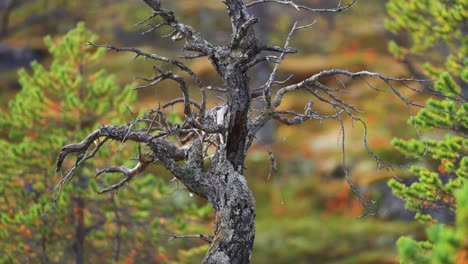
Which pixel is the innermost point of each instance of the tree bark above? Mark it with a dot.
(230, 196)
(79, 205)
(234, 207)
(237, 116)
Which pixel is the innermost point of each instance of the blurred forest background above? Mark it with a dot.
(306, 210)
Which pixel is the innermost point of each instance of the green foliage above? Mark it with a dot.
(56, 106)
(428, 22)
(412, 251)
(430, 25)
(308, 241)
(445, 243)
(449, 153)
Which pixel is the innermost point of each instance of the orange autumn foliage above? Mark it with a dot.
(26, 249)
(462, 257)
(161, 258)
(343, 202)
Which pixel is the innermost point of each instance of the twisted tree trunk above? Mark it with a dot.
(231, 199)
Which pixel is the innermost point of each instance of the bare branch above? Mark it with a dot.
(193, 56)
(143, 162)
(257, 60)
(153, 15)
(155, 57)
(128, 173)
(335, 98)
(79, 148)
(301, 118)
(271, 79)
(152, 28)
(185, 31)
(367, 204)
(154, 4)
(314, 80)
(162, 148)
(208, 239)
(151, 81)
(284, 49)
(217, 89)
(242, 32)
(177, 78)
(238, 14)
(181, 100)
(338, 8)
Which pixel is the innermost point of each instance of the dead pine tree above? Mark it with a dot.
(227, 130)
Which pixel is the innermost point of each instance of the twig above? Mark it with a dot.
(337, 9)
(208, 239)
(155, 57)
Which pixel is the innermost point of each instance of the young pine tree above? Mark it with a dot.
(437, 31)
(57, 105)
(445, 244)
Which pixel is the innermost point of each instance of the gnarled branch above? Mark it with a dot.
(198, 43)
